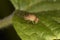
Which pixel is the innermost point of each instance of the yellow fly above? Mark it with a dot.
(31, 17)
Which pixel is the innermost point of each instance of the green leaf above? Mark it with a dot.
(36, 5)
(48, 27)
(48, 12)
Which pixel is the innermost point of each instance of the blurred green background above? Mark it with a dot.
(6, 8)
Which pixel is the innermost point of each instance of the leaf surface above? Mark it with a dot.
(48, 12)
(36, 5)
(48, 27)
